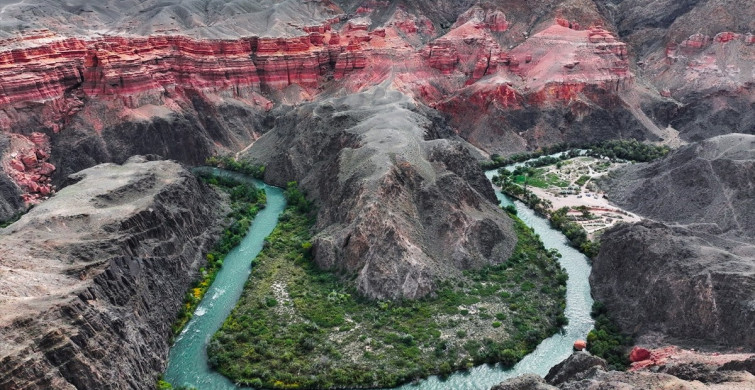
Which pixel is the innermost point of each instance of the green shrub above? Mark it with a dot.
(607, 341)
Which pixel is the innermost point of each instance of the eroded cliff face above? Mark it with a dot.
(11, 202)
(91, 279)
(698, 55)
(398, 209)
(679, 282)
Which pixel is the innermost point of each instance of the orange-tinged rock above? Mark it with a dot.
(639, 354)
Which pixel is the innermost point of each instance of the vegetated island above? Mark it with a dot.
(298, 326)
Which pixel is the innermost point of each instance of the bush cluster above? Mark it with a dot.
(607, 341)
(241, 166)
(631, 150)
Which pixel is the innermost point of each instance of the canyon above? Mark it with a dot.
(381, 111)
(92, 81)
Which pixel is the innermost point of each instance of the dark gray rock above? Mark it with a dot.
(679, 282)
(707, 183)
(93, 278)
(10, 198)
(581, 371)
(191, 136)
(576, 367)
(740, 365)
(694, 280)
(10, 195)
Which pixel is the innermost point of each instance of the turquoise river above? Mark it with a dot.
(188, 366)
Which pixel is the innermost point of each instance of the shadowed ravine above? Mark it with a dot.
(188, 357)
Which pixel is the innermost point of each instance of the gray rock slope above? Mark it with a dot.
(690, 274)
(677, 281)
(710, 184)
(397, 208)
(91, 280)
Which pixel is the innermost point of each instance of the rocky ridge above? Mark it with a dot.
(398, 208)
(510, 76)
(540, 73)
(92, 278)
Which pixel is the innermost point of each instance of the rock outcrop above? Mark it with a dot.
(397, 208)
(710, 184)
(698, 55)
(11, 202)
(695, 266)
(575, 368)
(25, 161)
(582, 371)
(92, 279)
(524, 382)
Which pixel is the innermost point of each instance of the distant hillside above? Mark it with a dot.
(711, 182)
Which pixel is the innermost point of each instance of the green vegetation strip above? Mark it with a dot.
(558, 218)
(298, 326)
(241, 166)
(631, 150)
(606, 341)
(246, 201)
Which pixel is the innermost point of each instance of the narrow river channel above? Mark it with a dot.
(187, 363)
(188, 358)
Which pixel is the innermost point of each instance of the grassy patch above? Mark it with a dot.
(582, 180)
(298, 326)
(533, 177)
(246, 201)
(242, 166)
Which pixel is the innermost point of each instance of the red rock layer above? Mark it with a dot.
(133, 69)
(697, 42)
(468, 47)
(558, 63)
(645, 359)
(26, 163)
(492, 19)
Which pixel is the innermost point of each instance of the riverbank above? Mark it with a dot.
(187, 363)
(561, 188)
